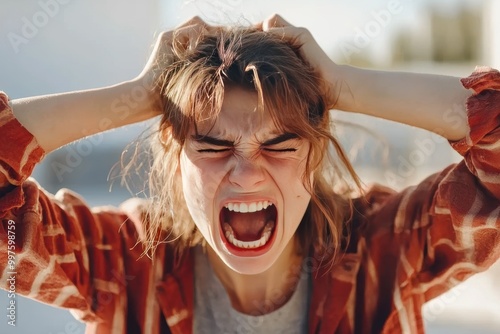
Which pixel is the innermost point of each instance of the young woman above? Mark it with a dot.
(253, 225)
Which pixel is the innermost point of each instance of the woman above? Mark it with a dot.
(252, 225)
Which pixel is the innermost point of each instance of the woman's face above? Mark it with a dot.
(242, 181)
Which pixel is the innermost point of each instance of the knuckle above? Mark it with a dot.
(196, 20)
(163, 35)
(302, 30)
(272, 19)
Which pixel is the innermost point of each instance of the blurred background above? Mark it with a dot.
(51, 46)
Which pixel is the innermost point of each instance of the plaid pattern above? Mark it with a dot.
(407, 247)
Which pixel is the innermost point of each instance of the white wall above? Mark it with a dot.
(492, 33)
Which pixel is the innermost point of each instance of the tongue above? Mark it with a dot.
(246, 226)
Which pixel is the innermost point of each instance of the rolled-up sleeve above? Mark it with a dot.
(66, 254)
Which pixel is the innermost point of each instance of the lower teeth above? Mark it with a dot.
(266, 235)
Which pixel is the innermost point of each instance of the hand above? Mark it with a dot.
(311, 51)
(58, 119)
(184, 36)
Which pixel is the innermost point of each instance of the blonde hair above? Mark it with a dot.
(192, 89)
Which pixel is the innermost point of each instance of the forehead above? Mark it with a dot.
(240, 115)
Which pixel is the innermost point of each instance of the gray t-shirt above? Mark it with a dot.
(213, 312)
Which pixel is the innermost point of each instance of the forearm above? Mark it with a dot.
(56, 120)
(432, 102)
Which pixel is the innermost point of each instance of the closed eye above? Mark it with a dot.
(211, 150)
(280, 150)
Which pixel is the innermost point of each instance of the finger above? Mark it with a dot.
(274, 21)
(189, 36)
(288, 33)
(188, 32)
(258, 25)
(195, 20)
(180, 36)
(164, 42)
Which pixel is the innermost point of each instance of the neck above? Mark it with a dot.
(263, 293)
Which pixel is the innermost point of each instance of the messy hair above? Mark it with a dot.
(192, 90)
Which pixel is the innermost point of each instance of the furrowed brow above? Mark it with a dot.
(279, 139)
(212, 140)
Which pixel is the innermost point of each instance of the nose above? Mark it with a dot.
(246, 173)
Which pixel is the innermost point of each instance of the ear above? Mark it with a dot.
(165, 133)
(165, 136)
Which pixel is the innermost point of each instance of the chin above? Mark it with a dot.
(249, 265)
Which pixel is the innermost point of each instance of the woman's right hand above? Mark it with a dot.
(185, 35)
(59, 119)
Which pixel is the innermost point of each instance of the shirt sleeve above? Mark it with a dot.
(59, 250)
(463, 237)
(447, 228)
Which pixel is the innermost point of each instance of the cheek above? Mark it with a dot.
(289, 174)
(289, 178)
(194, 193)
(200, 179)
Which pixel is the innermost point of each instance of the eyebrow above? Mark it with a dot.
(226, 143)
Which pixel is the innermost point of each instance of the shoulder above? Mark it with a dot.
(136, 209)
(114, 225)
(382, 210)
(373, 198)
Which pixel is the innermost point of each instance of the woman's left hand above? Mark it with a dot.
(311, 52)
(432, 102)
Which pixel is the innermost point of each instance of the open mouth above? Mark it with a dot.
(248, 225)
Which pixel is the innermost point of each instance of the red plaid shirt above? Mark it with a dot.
(407, 247)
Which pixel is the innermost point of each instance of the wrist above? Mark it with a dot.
(143, 97)
(340, 92)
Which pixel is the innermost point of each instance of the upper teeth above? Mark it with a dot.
(248, 207)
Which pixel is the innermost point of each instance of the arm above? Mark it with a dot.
(59, 248)
(58, 119)
(432, 102)
(65, 253)
(448, 227)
